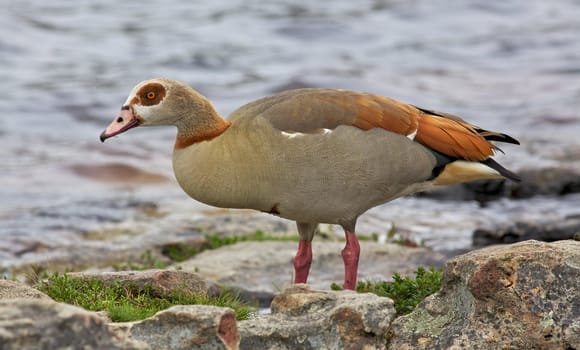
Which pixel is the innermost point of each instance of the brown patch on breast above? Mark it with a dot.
(186, 140)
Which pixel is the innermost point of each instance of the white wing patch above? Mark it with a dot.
(413, 134)
(292, 135)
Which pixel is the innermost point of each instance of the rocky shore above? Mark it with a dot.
(514, 295)
(520, 296)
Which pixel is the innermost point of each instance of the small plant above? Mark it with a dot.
(35, 273)
(392, 236)
(128, 303)
(215, 241)
(397, 238)
(406, 292)
(181, 252)
(146, 261)
(374, 237)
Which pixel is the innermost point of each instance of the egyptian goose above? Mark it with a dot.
(311, 155)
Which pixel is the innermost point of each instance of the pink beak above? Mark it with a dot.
(125, 120)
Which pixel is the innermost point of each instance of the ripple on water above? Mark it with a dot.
(67, 67)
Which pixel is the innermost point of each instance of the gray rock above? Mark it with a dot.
(535, 182)
(546, 181)
(520, 296)
(47, 325)
(547, 230)
(184, 327)
(157, 282)
(15, 290)
(260, 269)
(308, 319)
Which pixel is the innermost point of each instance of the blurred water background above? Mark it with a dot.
(66, 67)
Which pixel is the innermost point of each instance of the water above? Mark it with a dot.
(66, 67)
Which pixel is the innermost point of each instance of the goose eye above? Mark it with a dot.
(151, 94)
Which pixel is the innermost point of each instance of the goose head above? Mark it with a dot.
(158, 102)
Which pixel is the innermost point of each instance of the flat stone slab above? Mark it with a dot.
(17, 290)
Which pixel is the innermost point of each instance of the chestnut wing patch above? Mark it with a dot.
(453, 138)
(310, 110)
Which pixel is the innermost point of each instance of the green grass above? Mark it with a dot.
(373, 238)
(128, 303)
(182, 252)
(395, 237)
(145, 262)
(406, 292)
(215, 241)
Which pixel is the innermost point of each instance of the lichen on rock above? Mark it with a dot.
(521, 296)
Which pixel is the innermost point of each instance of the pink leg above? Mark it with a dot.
(302, 261)
(350, 255)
